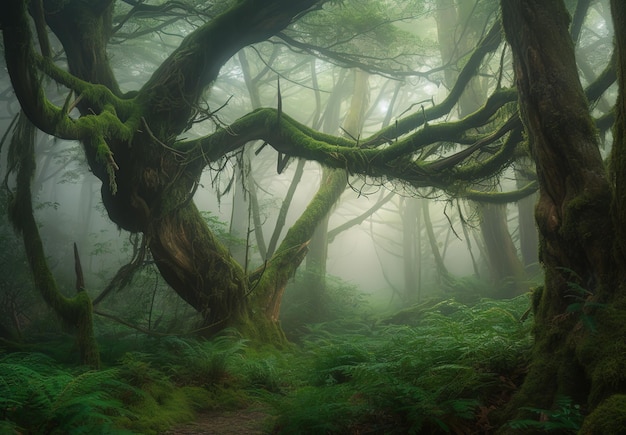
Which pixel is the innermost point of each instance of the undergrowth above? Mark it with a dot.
(445, 373)
(38, 396)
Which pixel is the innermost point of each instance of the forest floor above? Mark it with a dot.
(248, 421)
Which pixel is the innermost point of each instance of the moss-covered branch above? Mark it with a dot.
(175, 87)
(294, 246)
(499, 197)
(393, 161)
(113, 118)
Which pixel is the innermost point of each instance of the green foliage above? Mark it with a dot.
(201, 362)
(340, 309)
(318, 411)
(442, 374)
(366, 26)
(582, 298)
(220, 230)
(38, 396)
(433, 377)
(156, 402)
(566, 416)
(262, 374)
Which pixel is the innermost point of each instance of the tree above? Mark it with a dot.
(579, 328)
(149, 174)
(133, 143)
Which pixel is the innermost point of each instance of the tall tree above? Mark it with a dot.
(459, 25)
(579, 328)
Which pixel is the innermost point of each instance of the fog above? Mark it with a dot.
(368, 254)
(316, 91)
(312, 217)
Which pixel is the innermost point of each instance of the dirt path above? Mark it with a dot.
(240, 422)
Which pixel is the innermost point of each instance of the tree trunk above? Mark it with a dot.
(147, 185)
(75, 313)
(458, 29)
(318, 249)
(442, 274)
(579, 345)
(505, 268)
(411, 248)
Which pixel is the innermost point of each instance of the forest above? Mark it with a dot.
(313, 217)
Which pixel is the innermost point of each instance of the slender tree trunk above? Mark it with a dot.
(443, 275)
(506, 270)
(411, 249)
(528, 237)
(458, 30)
(318, 248)
(76, 312)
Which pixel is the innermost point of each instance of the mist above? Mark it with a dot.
(219, 212)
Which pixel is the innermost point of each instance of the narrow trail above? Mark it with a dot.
(239, 422)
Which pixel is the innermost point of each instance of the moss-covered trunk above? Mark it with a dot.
(148, 186)
(75, 313)
(273, 278)
(580, 313)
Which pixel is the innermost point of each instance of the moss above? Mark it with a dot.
(76, 312)
(163, 406)
(583, 213)
(609, 418)
(604, 353)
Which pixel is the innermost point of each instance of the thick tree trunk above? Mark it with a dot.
(151, 187)
(579, 346)
(198, 266)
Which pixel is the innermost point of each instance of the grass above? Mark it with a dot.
(444, 373)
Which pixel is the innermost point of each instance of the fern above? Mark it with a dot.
(566, 416)
(431, 377)
(40, 397)
(206, 362)
(317, 411)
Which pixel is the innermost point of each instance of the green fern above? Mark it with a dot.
(204, 362)
(566, 416)
(431, 377)
(38, 396)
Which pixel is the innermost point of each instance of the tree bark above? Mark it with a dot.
(505, 268)
(572, 355)
(76, 312)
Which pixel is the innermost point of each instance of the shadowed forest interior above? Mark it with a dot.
(313, 217)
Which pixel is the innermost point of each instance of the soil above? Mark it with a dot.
(239, 422)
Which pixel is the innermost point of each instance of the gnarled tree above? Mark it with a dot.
(149, 173)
